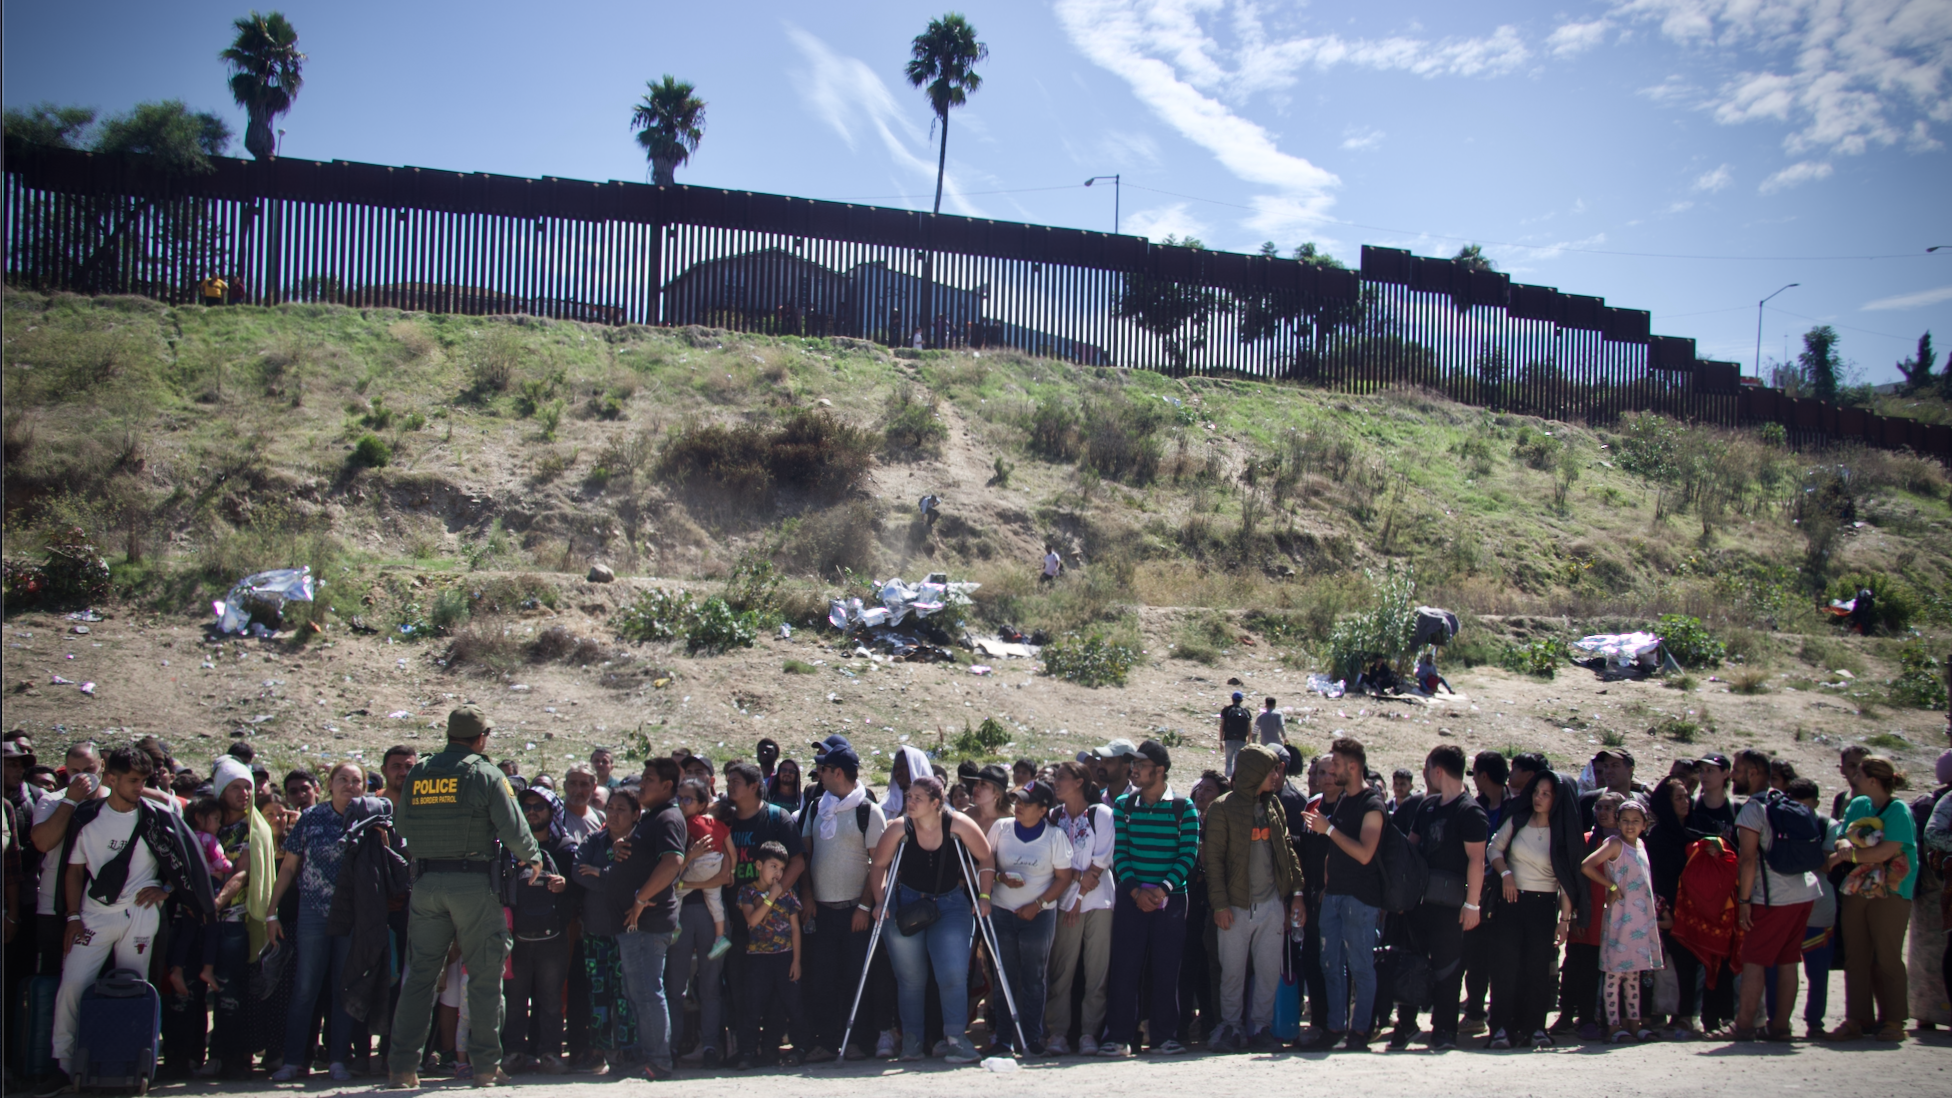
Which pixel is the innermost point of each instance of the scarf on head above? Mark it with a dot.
(831, 807)
(918, 767)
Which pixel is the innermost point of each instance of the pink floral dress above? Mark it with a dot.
(1633, 937)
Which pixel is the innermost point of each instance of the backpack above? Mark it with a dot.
(812, 813)
(1795, 836)
(1405, 874)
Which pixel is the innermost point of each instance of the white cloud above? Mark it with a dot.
(1910, 301)
(1842, 74)
(1160, 222)
(853, 101)
(1803, 171)
(1129, 149)
(1678, 207)
(1717, 180)
(1362, 139)
(1671, 91)
(1575, 38)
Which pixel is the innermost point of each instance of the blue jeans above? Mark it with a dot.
(946, 945)
(1349, 952)
(321, 961)
(642, 953)
(1023, 954)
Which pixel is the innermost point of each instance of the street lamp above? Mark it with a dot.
(1936, 247)
(1117, 193)
(1758, 326)
(279, 149)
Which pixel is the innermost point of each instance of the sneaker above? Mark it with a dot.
(695, 1056)
(339, 1072)
(719, 948)
(853, 1053)
(1114, 1049)
(1499, 1041)
(655, 1074)
(884, 1045)
(1170, 1047)
(1471, 1026)
(1443, 1042)
(1319, 1040)
(549, 1065)
(1541, 1039)
(712, 1059)
(1400, 1038)
(1224, 1038)
(403, 1080)
(818, 1055)
(960, 1051)
(287, 1074)
(463, 1071)
(1892, 1032)
(1849, 1031)
(1357, 1041)
(1087, 1046)
(1264, 1041)
(1057, 1046)
(57, 1083)
(911, 1050)
(941, 1048)
(1682, 1032)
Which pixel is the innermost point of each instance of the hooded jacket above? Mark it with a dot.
(1229, 835)
(374, 871)
(537, 912)
(170, 839)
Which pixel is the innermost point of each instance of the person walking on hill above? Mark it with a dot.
(1236, 725)
(1271, 726)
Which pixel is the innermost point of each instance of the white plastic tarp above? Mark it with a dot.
(276, 587)
(898, 600)
(1621, 650)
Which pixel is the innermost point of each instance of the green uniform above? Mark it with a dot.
(455, 806)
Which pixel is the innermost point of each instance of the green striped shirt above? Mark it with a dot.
(1155, 843)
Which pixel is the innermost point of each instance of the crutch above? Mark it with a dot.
(989, 938)
(874, 939)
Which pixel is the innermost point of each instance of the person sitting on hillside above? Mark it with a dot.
(1426, 677)
(1378, 678)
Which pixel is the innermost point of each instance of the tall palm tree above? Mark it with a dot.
(944, 59)
(266, 73)
(670, 123)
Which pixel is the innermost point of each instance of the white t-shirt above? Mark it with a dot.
(1782, 891)
(1527, 852)
(1036, 861)
(51, 861)
(840, 865)
(1052, 562)
(1093, 839)
(100, 842)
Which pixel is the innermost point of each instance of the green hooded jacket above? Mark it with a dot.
(1228, 835)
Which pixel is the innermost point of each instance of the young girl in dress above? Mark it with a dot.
(1632, 943)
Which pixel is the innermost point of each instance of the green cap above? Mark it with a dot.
(468, 722)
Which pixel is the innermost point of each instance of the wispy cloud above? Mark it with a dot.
(1362, 139)
(1162, 221)
(1909, 301)
(1575, 38)
(1842, 75)
(853, 101)
(1682, 206)
(1717, 180)
(1797, 174)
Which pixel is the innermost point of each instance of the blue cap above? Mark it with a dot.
(835, 751)
(1237, 697)
(830, 743)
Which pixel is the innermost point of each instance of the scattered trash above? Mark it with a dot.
(1000, 648)
(981, 669)
(59, 681)
(785, 631)
(899, 599)
(520, 688)
(1623, 653)
(1001, 1065)
(84, 615)
(399, 715)
(88, 688)
(1327, 688)
(1843, 674)
(80, 630)
(260, 718)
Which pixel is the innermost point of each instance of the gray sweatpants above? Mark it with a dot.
(1255, 941)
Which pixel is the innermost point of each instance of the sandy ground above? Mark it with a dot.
(346, 695)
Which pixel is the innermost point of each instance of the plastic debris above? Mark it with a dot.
(1325, 686)
(88, 688)
(80, 630)
(1001, 1065)
(785, 631)
(85, 615)
(57, 680)
(399, 715)
(520, 688)
(899, 599)
(981, 669)
(259, 593)
(1624, 651)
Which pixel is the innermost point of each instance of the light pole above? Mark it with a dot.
(1758, 327)
(279, 149)
(1117, 193)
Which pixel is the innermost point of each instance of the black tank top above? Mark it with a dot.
(930, 871)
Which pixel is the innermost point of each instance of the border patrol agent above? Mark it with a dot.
(456, 805)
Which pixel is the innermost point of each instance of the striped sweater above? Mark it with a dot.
(1157, 843)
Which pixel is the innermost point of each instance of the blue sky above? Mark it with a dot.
(1580, 142)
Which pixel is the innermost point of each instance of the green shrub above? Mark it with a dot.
(911, 425)
(1895, 603)
(1053, 430)
(984, 739)
(413, 623)
(451, 610)
(1921, 679)
(657, 615)
(1689, 642)
(1204, 640)
(1888, 741)
(1120, 438)
(1541, 657)
(1678, 730)
(799, 667)
(716, 627)
(370, 453)
(810, 451)
(72, 571)
(754, 587)
(1091, 660)
(1383, 629)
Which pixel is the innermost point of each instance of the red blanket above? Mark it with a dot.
(1704, 906)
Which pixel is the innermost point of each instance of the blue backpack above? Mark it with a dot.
(1795, 836)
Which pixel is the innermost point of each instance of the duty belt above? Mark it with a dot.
(451, 865)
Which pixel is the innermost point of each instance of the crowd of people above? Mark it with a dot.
(738, 913)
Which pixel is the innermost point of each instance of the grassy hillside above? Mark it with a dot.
(197, 445)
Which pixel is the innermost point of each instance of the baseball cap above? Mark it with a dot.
(13, 750)
(1117, 748)
(1237, 697)
(466, 722)
(1036, 792)
(821, 747)
(996, 776)
(1156, 752)
(1620, 753)
(1716, 759)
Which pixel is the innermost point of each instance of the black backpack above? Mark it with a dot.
(1795, 836)
(1405, 874)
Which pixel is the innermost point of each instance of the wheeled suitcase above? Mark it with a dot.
(34, 1025)
(120, 1026)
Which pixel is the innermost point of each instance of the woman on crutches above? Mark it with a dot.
(931, 913)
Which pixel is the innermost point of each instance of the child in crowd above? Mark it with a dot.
(772, 914)
(694, 799)
(1632, 943)
(192, 941)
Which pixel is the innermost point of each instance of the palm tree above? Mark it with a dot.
(265, 76)
(670, 123)
(944, 59)
(1470, 257)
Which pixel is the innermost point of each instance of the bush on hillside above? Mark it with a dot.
(910, 425)
(1091, 660)
(1895, 604)
(370, 453)
(1384, 628)
(810, 452)
(1689, 641)
(1921, 680)
(1121, 438)
(1053, 430)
